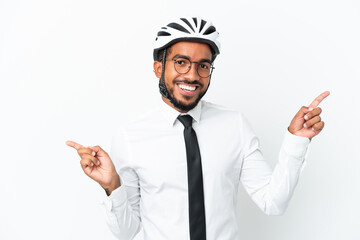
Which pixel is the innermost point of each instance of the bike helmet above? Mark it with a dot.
(189, 29)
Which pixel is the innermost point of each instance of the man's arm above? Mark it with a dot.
(123, 194)
(123, 205)
(272, 190)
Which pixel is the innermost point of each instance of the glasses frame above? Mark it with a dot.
(191, 62)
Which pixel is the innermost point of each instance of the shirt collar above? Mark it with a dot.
(171, 114)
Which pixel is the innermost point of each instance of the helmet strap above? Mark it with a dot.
(162, 87)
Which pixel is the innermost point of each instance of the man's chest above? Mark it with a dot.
(159, 158)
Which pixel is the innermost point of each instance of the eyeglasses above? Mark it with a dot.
(183, 65)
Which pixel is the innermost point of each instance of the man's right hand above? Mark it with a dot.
(97, 164)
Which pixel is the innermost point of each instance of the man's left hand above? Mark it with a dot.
(307, 122)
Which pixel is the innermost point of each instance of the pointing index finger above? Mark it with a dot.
(318, 100)
(75, 145)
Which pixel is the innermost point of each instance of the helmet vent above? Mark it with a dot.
(210, 30)
(162, 33)
(195, 21)
(187, 23)
(202, 24)
(178, 27)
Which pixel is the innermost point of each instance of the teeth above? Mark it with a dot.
(187, 87)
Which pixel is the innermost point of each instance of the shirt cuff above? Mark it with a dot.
(117, 198)
(295, 145)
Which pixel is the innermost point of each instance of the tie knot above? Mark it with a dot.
(186, 120)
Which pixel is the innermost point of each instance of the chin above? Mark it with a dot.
(183, 102)
(184, 105)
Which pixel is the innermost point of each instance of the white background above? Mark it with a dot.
(73, 70)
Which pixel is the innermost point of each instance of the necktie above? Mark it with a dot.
(195, 181)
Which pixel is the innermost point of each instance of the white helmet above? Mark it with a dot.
(187, 29)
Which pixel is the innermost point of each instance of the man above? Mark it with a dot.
(178, 168)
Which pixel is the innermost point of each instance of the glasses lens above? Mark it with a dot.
(204, 69)
(182, 65)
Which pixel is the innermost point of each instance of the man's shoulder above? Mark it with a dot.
(139, 120)
(219, 110)
(146, 118)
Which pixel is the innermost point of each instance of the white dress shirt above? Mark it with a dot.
(150, 157)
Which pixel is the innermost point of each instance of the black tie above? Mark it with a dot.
(195, 181)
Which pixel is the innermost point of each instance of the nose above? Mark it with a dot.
(192, 74)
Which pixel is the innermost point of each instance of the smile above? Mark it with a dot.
(187, 89)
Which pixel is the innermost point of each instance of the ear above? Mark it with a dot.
(157, 68)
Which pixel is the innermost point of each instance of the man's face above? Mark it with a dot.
(186, 89)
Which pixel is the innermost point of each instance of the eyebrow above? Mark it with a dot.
(186, 57)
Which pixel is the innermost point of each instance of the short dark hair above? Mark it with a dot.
(168, 51)
(161, 54)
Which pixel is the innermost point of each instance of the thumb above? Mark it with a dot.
(303, 111)
(97, 150)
